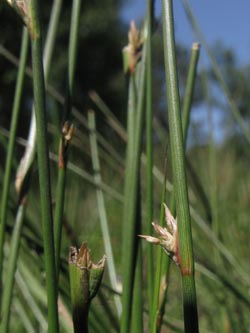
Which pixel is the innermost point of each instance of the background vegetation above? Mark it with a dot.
(217, 173)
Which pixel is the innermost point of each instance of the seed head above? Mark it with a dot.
(167, 237)
(132, 52)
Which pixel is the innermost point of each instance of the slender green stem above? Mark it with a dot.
(163, 291)
(73, 45)
(11, 268)
(128, 275)
(186, 260)
(102, 209)
(63, 145)
(149, 153)
(59, 208)
(30, 148)
(159, 261)
(43, 168)
(137, 308)
(187, 102)
(10, 151)
(189, 91)
(131, 193)
(51, 36)
(79, 298)
(137, 305)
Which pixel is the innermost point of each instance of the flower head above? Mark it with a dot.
(167, 237)
(132, 52)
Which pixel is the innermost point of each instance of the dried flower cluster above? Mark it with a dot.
(132, 51)
(167, 237)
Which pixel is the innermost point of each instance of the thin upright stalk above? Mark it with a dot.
(128, 272)
(43, 167)
(189, 91)
(66, 132)
(137, 308)
(51, 36)
(11, 268)
(187, 102)
(73, 42)
(30, 149)
(149, 153)
(102, 209)
(186, 260)
(10, 150)
(59, 208)
(159, 261)
(130, 208)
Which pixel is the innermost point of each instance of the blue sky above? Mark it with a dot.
(226, 21)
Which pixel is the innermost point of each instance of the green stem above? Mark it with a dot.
(63, 145)
(164, 262)
(30, 148)
(102, 209)
(131, 192)
(149, 153)
(187, 102)
(51, 36)
(43, 167)
(11, 268)
(59, 208)
(73, 42)
(186, 260)
(137, 307)
(79, 298)
(159, 266)
(189, 91)
(10, 151)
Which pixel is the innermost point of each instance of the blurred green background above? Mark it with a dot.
(217, 152)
